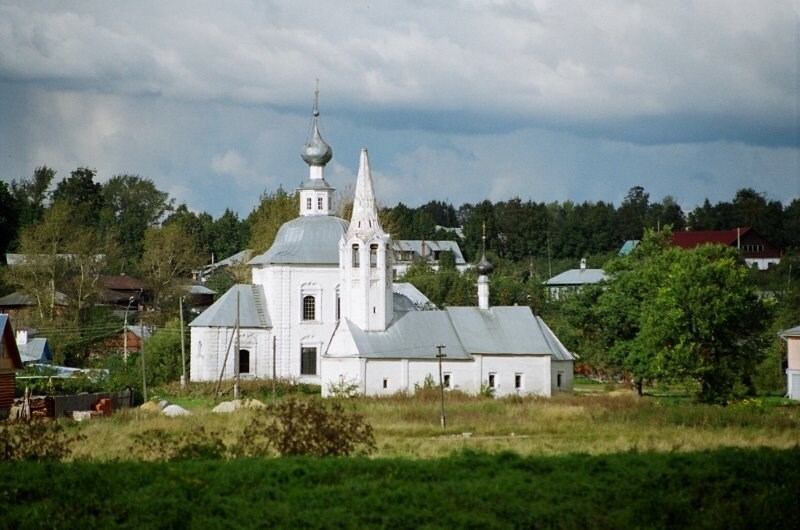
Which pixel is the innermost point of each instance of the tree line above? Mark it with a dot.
(74, 230)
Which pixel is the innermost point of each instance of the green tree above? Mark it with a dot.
(131, 204)
(9, 219)
(84, 194)
(30, 196)
(200, 227)
(167, 262)
(163, 353)
(229, 235)
(704, 321)
(273, 210)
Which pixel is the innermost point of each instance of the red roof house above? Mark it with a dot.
(753, 247)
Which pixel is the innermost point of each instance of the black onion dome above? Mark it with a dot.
(484, 267)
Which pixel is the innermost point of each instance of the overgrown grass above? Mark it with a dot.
(408, 425)
(731, 488)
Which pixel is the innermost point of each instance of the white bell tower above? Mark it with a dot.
(365, 260)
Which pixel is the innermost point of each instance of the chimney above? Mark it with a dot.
(22, 337)
(583, 264)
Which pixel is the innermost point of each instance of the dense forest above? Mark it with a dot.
(125, 206)
(126, 225)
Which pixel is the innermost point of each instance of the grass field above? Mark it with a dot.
(601, 458)
(408, 426)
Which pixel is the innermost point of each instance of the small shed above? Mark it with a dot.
(10, 363)
(792, 338)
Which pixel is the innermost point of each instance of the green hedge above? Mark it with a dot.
(732, 488)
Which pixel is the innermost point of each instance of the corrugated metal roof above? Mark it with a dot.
(35, 351)
(415, 245)
(198, 289)
(313, 239)
(412, 335)
(252, 309)
(577, 277)
(21, 299)
(791, 332)
(463, 331)
(504, 330)
(413, 295)
(315, 184)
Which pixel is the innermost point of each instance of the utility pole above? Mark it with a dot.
(144, 367)
(183, 348)
(274, 367)
(237, 353)
(439, 356)
(125, 333)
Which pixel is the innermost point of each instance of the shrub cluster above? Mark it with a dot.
(36, 440)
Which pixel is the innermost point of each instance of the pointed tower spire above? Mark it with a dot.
(365, 259)
(364, 222)
(316, 193)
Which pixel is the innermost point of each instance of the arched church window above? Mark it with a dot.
(244, 361)
(309, 308)
(373, 255)
(356, 257)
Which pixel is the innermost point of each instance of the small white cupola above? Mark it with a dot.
(316, 194)
(484, 268)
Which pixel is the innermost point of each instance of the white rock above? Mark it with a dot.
(175, 410)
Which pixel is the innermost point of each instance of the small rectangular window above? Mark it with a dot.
(309, 308)
(319, 203)
(373, 255)
(517, 381)
(558, 380)
(308, 361)
(491, 380)
(356, 257)
(308, 203)
(385, 383)
(446, 381)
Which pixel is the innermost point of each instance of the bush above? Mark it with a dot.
(36, 440)
(160, 444)
(309, 427)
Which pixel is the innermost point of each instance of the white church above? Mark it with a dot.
(323, 308)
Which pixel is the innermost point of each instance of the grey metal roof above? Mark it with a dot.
(313, 239)
(19, 298)
(316, 184)
(577, 277)
(791, 332)
(511, 330)
(410, 298)
(463, 331)
(198, 289)
(252, 309)
(412, 335)
(35, 351)
(415, 245)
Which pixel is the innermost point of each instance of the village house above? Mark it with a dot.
(572, 281)
(323, 308)
(10, 363)
(754, 248)
(792, 338)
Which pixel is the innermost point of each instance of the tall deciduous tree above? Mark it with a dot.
(167, 262)
(30, 195)
(131, 204)
(84, 194)
(9, 219)
(273, 210)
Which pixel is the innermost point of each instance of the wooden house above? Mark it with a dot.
(10, 362)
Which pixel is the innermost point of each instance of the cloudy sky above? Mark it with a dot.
(456, 100)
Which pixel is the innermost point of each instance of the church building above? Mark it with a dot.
(323, 308)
